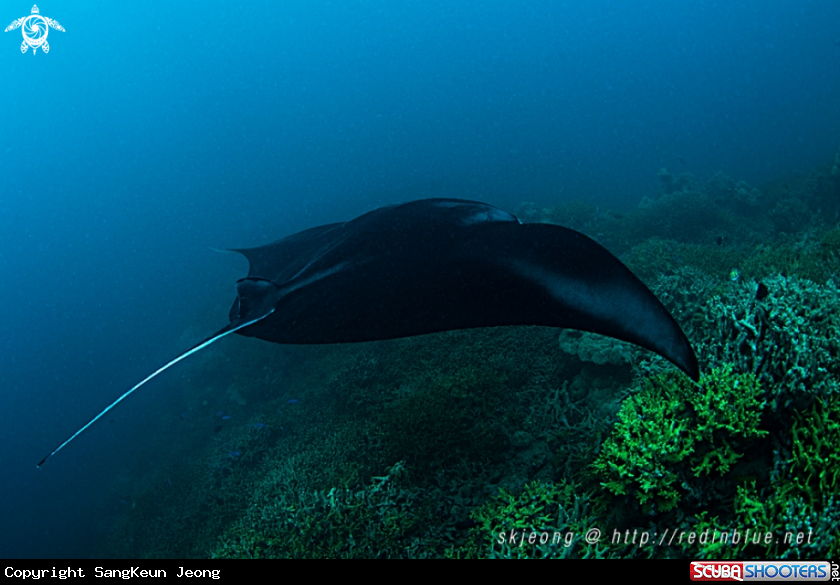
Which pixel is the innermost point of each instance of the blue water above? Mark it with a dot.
(154, 130)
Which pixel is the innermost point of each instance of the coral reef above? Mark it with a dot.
(378, 520)
(597, 349)
(789, 339)
(799, 507)
(514, 442)
(671, 432)
(544, 520)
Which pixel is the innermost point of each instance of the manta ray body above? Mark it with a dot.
(438, 265)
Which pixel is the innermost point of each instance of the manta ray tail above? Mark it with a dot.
(227, 330)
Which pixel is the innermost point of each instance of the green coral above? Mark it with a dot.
(672, 430)
(796, 514)
(813, 470)
(471, 412)
(782, 526)
(543, 520)
(771, 526)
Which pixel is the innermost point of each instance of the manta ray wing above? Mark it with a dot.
(438, 265)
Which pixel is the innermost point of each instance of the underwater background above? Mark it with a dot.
(699, 142)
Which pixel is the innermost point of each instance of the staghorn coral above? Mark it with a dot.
(790, 339)
(671, 432)
(375, 521)
(813, 469)
(799, 507)
(504, 426)
(544, 520)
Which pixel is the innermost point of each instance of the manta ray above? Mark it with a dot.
(438, 265)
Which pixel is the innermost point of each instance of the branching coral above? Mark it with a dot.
(544, 520)
(671, 432)
(790, 339)
(377, 520)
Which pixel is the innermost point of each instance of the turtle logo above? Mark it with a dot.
(35, 29)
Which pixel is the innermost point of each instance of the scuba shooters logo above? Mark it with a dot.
(712, 571)
(760, 571)
(35, 29)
